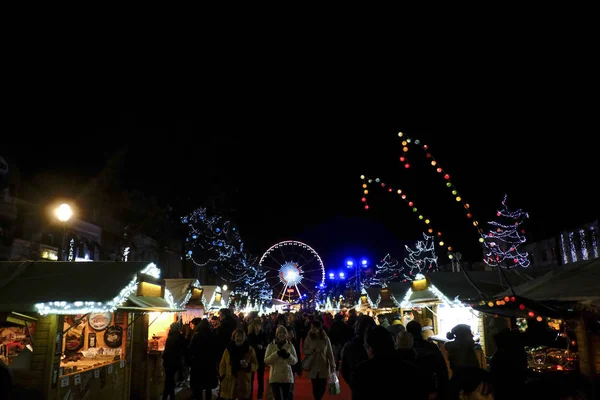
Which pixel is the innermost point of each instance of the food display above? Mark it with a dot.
(90, 341)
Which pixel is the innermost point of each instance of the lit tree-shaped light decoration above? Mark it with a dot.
(389, 270)
(255, 283)
(503, 240)
(213, 243)
(422, 259)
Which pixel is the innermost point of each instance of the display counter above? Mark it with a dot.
(108, 381)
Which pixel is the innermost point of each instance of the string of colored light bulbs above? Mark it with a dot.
(408, 141)
(367, 181)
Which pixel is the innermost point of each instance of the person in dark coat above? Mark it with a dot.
(259, 342)
(204, 357)
(354, 351)
(227, 325)
(509, 364)
(6, 382)
(377, 378)
(173, 358)
(339, 334)
(431, 361)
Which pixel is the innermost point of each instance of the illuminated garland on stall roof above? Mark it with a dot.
(405, 303)
(190, 293)
(85, 307)
(367, 181)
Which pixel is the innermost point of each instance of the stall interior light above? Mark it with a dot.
(85, 307)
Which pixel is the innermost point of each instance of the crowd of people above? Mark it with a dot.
(378, 359)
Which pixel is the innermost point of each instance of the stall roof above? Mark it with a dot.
(23, 284)
(181, 289)
(455, 285)
(574, 282)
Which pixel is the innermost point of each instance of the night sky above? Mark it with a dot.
(292, 170)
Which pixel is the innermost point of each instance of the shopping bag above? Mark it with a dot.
(334, 384)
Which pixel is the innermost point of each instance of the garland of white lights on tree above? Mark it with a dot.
(85, 307)
(502, 243)
(212, 241)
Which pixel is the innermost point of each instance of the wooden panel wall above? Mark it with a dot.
(37, 378)
(139, 359)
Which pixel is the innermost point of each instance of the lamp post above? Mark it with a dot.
(63, 213)
(357, 266)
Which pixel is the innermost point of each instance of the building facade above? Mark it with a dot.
(579, 244)
(29, 231)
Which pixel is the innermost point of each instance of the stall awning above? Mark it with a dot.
(149, 304)
(574, 282)
(182, 289)
(16, 318)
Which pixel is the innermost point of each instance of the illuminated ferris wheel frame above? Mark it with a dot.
(295, 266)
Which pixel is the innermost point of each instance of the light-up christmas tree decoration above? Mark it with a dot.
(388, 270)
(255, 284)
(214, 243)
(503, 240)
(421, 259)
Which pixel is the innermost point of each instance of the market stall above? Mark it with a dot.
(188, 296)
(73, 323)
(566, 303)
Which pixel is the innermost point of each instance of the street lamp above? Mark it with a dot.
(63, 213)
(357, 266)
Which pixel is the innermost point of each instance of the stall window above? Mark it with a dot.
(92, 340)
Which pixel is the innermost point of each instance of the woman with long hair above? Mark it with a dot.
(236, 368)
(280, 356)
(322, 363)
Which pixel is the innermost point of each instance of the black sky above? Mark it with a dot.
(291, 171)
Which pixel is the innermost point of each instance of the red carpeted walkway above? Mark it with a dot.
(303, 389)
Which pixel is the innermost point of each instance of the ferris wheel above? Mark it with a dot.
(294, 269)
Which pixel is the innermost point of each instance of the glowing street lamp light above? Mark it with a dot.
(64, 213)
